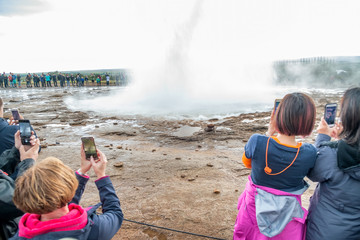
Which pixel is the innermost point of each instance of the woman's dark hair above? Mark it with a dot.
(296, 115)
(350, 116)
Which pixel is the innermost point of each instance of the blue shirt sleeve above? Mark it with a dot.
(251, 145)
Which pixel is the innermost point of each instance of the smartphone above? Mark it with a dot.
(330, 113)
(89, 147)
(276, 104)
(25, 131)
(15, 114)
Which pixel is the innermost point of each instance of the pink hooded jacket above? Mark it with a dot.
(267, 213)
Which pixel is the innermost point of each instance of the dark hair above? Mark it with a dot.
(350, 116)
(296, 115)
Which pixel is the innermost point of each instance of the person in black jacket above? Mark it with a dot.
(6, 81)
(1, 81)
(54, 80)
(13, 163)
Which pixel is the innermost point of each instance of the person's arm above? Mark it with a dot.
(81, 176)
(9, 159)
(107, 224)
(326, 156)
(8, 209)
(249, 150)
(325, 165)
(28, 154)
(82, 179)
(110, 221)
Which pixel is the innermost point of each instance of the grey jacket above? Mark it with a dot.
(334, 211)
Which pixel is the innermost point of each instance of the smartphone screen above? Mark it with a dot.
(89, 147)
(15, 114)
(276, 104)
(25, 131)
(330, 113)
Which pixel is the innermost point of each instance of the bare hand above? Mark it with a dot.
(32, 152)
(99, 166)
(85, 164)
(15, 122)
(271, 129)
(18, 140)
(324, 128)
(336, 130)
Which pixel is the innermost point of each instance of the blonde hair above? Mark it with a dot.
(45, 187)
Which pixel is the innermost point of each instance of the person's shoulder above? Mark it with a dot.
(257, 137)
(8, 127)
(309, 148)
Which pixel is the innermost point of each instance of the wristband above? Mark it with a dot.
(80, 173)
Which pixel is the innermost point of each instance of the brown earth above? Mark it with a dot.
(163, 174)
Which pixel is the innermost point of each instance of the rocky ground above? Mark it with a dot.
(180, 174)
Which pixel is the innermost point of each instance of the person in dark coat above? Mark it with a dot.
(54, 78)
(53, 192)
(334, 212)
(6, 80)
(1, 80)
(28, 80)
(13, 163)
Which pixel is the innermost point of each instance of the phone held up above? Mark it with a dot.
(89, 147)
(25, 131)
(15, 114)
(276, 104)
(330, 113)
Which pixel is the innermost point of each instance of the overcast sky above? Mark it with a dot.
(48, 35)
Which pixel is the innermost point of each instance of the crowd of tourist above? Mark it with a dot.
(40, 200)
(47, 80)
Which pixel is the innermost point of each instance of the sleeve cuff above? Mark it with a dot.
(246, 161)
(101, 178)
(102, 181)
(81, 175)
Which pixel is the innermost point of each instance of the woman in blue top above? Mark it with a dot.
(278, 166)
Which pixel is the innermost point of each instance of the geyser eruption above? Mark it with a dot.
(203, 74)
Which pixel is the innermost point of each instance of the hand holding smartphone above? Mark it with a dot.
(330, 113)
(25, 131)
(15, 114)
(89, 147)
(276, 104)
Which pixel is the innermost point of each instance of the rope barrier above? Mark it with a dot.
(173, 230)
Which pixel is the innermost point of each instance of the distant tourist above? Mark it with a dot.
(28, 80)
(54, 78)
(107, 77)
(67, 80)
(48, 80)
(19, 80)
(42, 80)
(1, 80)
(6, 80)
